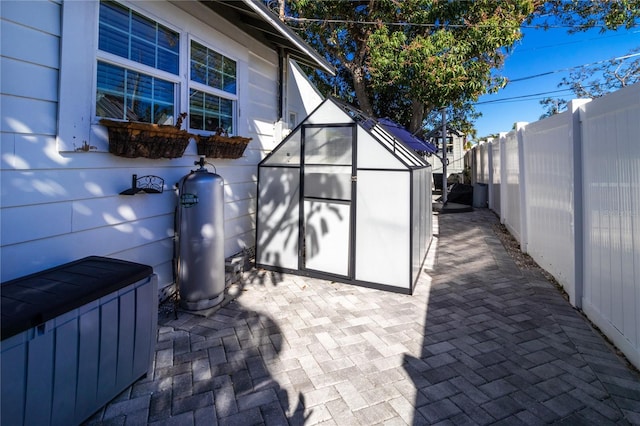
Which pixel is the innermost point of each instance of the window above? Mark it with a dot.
(449, 144)
(138, 78)
(293, 120)
(134, 53)
(213, 79)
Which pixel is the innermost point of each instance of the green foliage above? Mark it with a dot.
(407, 59)
(581, 15)
(594, 81)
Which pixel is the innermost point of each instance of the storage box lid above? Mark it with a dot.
(34, 299)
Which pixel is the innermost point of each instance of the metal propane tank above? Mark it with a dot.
(201, 269)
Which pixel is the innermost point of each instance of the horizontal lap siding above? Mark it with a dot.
(58, 207)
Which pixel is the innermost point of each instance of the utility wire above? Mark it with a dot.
(529, 77)
(423, 24)
(521, 97)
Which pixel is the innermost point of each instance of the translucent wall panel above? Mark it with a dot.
(328, 112)
(421, 213)
(278, 217)
(327, 235)
(372, 154)
(383, 230)
(328, 145)
(332, 182)
(288, 152)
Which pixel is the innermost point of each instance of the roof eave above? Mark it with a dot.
(280, 35)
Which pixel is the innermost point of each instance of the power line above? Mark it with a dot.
(529, 77)
(422, 24)
(521, 97)
(551, 46)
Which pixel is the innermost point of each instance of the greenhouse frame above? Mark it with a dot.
(344, 199)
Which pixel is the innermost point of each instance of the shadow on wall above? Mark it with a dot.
(284, 238)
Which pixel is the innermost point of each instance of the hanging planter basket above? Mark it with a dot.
(219, 146)
(133, 139)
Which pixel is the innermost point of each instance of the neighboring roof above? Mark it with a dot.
(253, 17)
(407, 137)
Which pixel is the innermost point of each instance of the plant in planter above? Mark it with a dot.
(134, 139)
(221, 145)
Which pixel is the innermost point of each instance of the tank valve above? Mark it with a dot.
(200, 162)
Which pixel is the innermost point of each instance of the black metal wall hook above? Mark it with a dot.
(148, 184)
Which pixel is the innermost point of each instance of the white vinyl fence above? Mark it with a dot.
(568, 189)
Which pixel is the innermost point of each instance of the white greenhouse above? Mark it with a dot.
(342, 198)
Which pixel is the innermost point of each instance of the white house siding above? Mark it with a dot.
(61, 205)
(456, 158)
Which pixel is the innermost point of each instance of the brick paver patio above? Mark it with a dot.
(479, 342)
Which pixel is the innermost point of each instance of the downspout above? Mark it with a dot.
(281, 83)
(283, 69)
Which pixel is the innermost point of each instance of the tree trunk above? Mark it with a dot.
(417, 116)
(361, 91)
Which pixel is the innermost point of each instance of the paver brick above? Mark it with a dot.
(479, 342)
(439, 410)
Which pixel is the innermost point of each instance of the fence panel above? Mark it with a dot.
(549, 164)
(511, 185)
(483, 174)
(494, 185)
(611, 185)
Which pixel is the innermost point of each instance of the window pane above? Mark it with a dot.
(163, 91)
(114, 15)
(142, 108)
(226, 107)
(229, 84)
(116, 42)
(212, 104)
(212, 123)
(143, 52)
(134, 96)
(213, 69)
(135, 37)
(196, 120)
(210, 112)
(168, 61)
(227, 124)
(214, 79)
(167, 39)
(143, 27)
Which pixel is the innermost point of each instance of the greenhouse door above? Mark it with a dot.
(328, 182)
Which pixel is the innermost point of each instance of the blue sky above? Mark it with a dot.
(542, 51)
